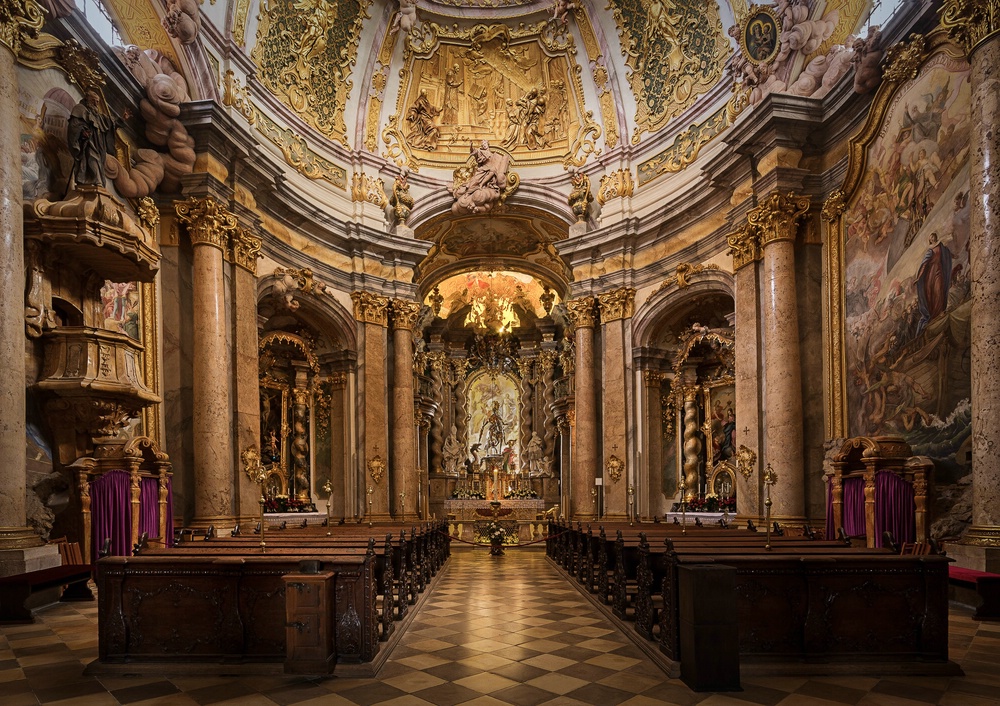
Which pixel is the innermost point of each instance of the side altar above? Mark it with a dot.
(528, 514)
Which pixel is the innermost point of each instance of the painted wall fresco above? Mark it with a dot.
(493, 413)
(907, 286)
(121, 308)
(45, 158)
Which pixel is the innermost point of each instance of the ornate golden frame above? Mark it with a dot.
(756, 13)
(903, 63)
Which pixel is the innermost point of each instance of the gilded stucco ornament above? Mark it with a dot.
(614, 468)
(376, 467)
(834, 206)
(298, 155)
(580, 197)
(617, 304)
(368, 189)
(970, 22)
(777, 217)
(685, 148)
(615, 185)
(746, 460)
(371, 308)
(676, 52)
(904, 59)
(305, 53)
(744, 246)
(401, 199)
(405, 314)
(208, 221)
(149, 214)
(581, 312)
(235, 95)
(19, 19)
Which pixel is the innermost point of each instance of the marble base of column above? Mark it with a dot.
(21, 561)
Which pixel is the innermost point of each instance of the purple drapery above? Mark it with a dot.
(149, 507)
(895, 509)
(111, 512)
(854, 507)
(170, 512)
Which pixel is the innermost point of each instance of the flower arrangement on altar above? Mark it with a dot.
(494, 532)
(520, 493)
(466, 494)
(283, 503)
(711, 503)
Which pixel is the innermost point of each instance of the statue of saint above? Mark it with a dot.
(452, 452)
(91, 137)
(423, 133)
(493, 427)
(534, 455)
(485, 187)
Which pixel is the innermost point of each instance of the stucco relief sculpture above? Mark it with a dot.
(401, 200)
(406, 19)
(182, 21)
(580, 198)
(422, 130)
(487, 184)
(867, 60)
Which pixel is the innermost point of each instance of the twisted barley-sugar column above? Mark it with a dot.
(404, 460)
(975, 26)
(776, 221)
(18, 17)
(744, 246)
(210, 227)
(584, 463)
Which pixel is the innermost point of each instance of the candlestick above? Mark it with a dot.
(370, 491)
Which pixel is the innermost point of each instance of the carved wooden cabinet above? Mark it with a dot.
(309, 625)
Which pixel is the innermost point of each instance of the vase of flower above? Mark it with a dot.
(494, 533)
(496, 549)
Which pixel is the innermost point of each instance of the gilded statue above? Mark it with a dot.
(484, 189)
(401, 201)
(579, 194)
(320, 15)
(423, 133)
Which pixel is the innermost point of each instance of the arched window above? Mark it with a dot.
(100, 21)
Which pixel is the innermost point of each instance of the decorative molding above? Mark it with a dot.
(834, 207)
(685, 148)
(616, 185)
(371, 308)
(614, 468)
(744, 246)
(245, 250)
(240, 22)
(368, 189)
(970, 23)
(405, 314)
(581, 312)
(298, 154)
(617, 304)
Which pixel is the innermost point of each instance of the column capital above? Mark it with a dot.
(652, 378)
(208, 221)
(547, 361)
(245, 250)
(778, 216)
(19, 19)
(617, 304)
(404, 314)
(371, 308)
(581, 312)
(971, 22)
(744, 246)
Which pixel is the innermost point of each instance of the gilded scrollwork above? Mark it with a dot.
(581, 312)
(777, 217)
(616, 185)
(904, 59)
(148, 213)
(405, 314)
(208, 221)
(617, 304)
(305, 52)
(970, 22)
(371, 308)
(369, 189)
(676, 50)
(685, 148)
(298, 154)
(237, 96)
(19, 19)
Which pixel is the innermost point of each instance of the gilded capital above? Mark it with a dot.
(777, 218)
(652, 378)
(208, 222)
(617, 304)
(971, 22)
(744, 246)
(524, 367)
(19, 19)
(404, 314)
(581, 312)
(371, 308)
(245, 250)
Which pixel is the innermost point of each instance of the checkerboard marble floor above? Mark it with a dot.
(497, 631)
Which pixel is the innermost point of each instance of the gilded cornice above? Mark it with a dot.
(245, 250)
(208, 222)
(617, 304)
(370, 189)
(404, 314)
(971, 22)
(371, 308)
(744, 246)
(778, 216)
(581, 312)
(19, 19)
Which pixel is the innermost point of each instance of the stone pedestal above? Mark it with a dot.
(20, 561)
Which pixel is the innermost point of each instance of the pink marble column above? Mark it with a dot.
(776, 220)
(210, 227)
(245, 252)
(585, 462)
(977, 29)
(403, 460)
(616, 308)
(745, 248)
(13, 532)
(372, 313)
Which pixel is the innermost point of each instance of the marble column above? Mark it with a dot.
(210, 227)
(616, 309)
(403, 459)
(524, 367)
(975, 26)
(649, 486)
(371, 311)
(14, 534)
(244, 253)
(584, 470)
(776, 221)
(744, 245)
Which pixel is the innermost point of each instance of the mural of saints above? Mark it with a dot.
(907, 286)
